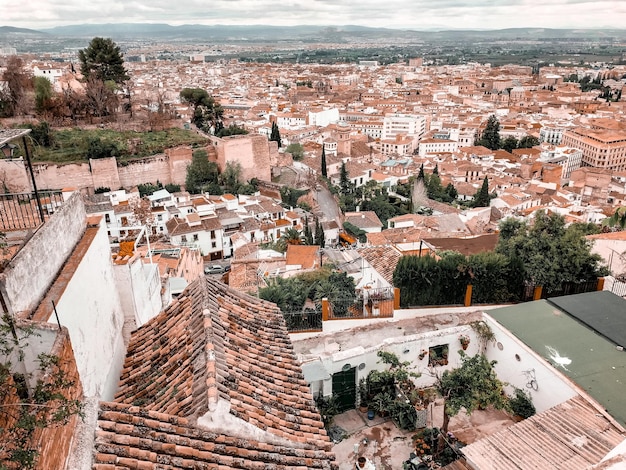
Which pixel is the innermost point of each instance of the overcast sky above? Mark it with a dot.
(406, 14)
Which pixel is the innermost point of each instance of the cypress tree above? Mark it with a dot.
(491, 135)
(481, 198)
(275, 135)
(324, 170)
(420, 175)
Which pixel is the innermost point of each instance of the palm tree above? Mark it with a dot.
(292, 236)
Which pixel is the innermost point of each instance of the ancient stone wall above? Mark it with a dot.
(253, 152)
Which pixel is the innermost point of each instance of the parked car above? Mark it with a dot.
(214, 269)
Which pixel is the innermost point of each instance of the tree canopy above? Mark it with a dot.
(202, 175)
(473, 385)
(481, 198)
(551, 253)
(296, 151)
(102, 60)
(275, 135)
(207, 114)
(491, 134)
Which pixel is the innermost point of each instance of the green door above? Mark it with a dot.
(344, 389)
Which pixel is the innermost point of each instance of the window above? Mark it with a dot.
(107, 218)
(213, 245)
(438, 355)
(183, 238)
(160, 217)
(195, 237)
(212, 234)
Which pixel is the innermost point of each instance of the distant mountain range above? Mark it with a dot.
(329, 33)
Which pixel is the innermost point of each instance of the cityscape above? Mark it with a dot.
(229, 241)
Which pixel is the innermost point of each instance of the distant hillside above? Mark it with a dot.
(11, 29)
(219, 33)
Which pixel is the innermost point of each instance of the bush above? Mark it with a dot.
(521, 404)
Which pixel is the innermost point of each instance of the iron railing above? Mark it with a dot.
(305, 320)
(20, 211)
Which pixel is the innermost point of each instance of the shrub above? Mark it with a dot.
(521, 404)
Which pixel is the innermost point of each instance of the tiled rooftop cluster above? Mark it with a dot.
(213, 349)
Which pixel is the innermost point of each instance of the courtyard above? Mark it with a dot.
(387, 446)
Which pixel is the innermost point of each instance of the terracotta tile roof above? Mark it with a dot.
(132, 437)
(303, 255)
(571, 435)
(212, 380)
(465, 245)
(363, 219)
(383, 259)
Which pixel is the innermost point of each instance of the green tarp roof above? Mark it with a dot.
(577, 351)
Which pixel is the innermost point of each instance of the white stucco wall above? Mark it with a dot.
(139, 288)
(38, 262)
(90, 309)
(552, 387)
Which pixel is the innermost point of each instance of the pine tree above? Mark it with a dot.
(103, 60)
(324, 169)
(481, 198)
(275, 135)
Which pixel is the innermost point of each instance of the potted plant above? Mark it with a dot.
(521, 404)
(465, 341)
(382, 403)
(423, 354)
(363, 396)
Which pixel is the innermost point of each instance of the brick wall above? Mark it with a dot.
(54, 443)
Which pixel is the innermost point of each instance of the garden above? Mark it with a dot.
(391, 395)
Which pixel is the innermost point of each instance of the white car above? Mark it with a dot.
(214, 269)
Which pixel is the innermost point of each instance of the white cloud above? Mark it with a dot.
(408, 14)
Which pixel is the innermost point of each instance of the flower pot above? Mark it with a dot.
(363, 408)
(464, 346)
(371, 414)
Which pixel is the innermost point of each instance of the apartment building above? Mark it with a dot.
(600, 148)
(410, 125)
(568, 158)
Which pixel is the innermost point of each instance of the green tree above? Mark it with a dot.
(202, 175)
(207, 114)
(420, 174)
(510, 143)
(307, 232)
(617, 219)
(292, 236)
(103, 60)
(481, 198)
(290, 195)
(491, 134)
(296, 151)
(527, 142)
(471, 386)
(323, 164)
(320, 236)
(233, 129)
(550, 253)
(345, 185)
(229, 178)
(275, 134)
(43, 94)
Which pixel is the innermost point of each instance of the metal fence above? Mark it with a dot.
(20, 211)
(567, 288)
(306, 320)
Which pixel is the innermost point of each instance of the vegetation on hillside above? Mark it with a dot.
(75, 145)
